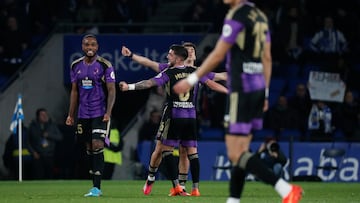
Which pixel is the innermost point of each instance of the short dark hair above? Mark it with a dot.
(179, 50)
(189, 44)
(88, 36)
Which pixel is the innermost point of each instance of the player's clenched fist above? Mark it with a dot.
(123, 86)
(69, 121)
(125, 51)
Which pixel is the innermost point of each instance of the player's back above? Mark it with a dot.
(244, 63)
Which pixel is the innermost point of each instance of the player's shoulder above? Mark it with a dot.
(248, 11)
(104, 61)
(77, 61)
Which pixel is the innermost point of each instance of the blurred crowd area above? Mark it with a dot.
(24, 24)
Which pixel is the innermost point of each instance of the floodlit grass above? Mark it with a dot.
(131, 191)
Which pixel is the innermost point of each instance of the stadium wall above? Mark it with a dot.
(305, 157)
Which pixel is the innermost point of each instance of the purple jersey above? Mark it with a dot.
(91, 79)
(163, 66)
(245, 27)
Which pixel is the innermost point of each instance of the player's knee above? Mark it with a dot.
(166, 153)
(157, 150)
(97, 173)
(97, 144)
(97, 151)
(243, 160)
(193, 156)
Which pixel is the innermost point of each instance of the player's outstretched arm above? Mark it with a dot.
(220, 76)
(144, 84)
(213, 59)
(216, 86)
(140, 59)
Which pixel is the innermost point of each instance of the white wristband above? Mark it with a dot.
(266, 93)
(192, 79)
(131, 86)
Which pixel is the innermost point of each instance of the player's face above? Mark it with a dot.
(171, 57)
(90, 46)
(191, 53)
(232, 2)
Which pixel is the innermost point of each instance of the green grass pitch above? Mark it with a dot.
(131, 191)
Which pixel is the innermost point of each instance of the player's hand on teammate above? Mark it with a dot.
(123, 86)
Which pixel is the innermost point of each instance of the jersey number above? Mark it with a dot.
(259, 33)
(184, 96)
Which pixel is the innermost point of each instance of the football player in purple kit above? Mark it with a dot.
(245, 41)
(92, 96)
(183, 154)
(179, 113)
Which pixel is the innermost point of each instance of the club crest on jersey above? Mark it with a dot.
(96, 71)
(226, 30)
(112, 75)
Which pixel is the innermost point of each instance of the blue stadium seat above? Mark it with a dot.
(339, 135)
(261, 135)
(277, 85)
(273, 98)
(207, 133)
(3, 79)
(292, 71)
(286, 135)
(307, 69)
(291, 86)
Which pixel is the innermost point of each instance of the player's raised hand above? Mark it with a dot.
(125, 51)
(123, 86)
(182, 86)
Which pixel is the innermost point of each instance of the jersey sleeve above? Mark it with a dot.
(110, 75)
(163, 66)
(204, 79)
(161, 78)
(230, 30)
(72, 75)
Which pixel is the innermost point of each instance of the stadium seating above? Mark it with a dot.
(261, 135)
(291, 134)
(208, 133)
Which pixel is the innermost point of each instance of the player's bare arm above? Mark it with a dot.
(267, 64)
(216, 86)
(220, 76)
(144, 84)
(213, 60)
(73, 103)
(110, 100)
(140, 59)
